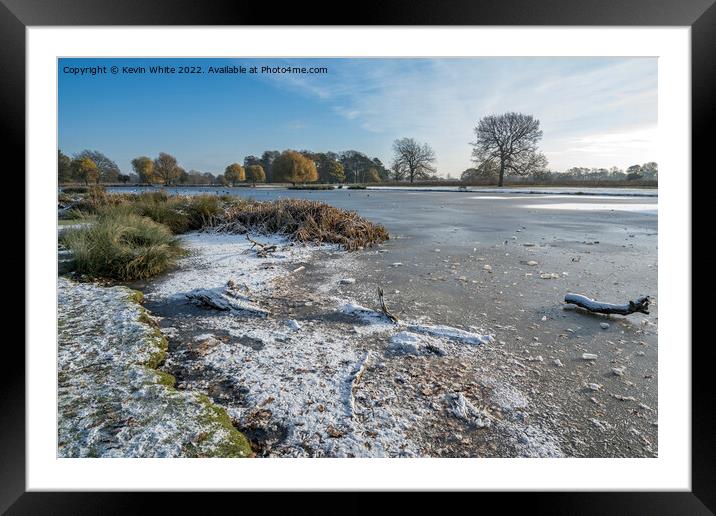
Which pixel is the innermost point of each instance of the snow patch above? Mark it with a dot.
(216, 258)
(461, 408)
(649, 209)
(450, 333)
(409, 343)
(380, 320)
(222, 299)
(507, 397)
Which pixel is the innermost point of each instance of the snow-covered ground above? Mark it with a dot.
(309, 371)
(562, 198)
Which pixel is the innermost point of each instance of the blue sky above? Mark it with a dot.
(595, 112)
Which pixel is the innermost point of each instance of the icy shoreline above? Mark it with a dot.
(556, 190)
(112, 402)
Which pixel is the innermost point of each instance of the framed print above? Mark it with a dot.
(425, 251)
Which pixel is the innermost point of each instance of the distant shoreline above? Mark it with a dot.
(421, 186)
(546, 190)
(524, 190)
(605, 191)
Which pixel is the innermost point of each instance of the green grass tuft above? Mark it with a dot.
(122, 246)
(202, 210)
(167, 213)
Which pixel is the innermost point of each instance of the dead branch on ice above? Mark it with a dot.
(263, 249)
(226, 299)
(640, 305)
(354, 380)
(359, 369)
(384, 308)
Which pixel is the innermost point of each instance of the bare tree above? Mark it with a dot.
(413, 160)
(397, 172)
(510, 141)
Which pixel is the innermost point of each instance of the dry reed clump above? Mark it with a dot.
(304, 221)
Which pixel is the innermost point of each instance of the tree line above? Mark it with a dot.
(289, 166)
(646, 171)
(411, 161)
(505, 144)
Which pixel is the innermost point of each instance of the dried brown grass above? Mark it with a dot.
(303, 221)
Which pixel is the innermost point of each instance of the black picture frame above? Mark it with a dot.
(700, 15)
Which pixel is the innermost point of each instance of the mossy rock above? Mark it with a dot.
(137, 296)
(166, 379)
(97, 399)
(236, 445)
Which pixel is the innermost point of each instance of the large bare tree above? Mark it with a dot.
(510, 142)
(413, 160)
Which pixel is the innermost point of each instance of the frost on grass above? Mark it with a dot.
(112, 402)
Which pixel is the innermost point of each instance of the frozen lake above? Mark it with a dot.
(468, 217)
(538, 248)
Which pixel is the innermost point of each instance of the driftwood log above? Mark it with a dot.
(384, 308)
(263, 249)
(640, 305)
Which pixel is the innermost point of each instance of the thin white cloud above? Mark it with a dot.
(627, 147)
(350, 114)
(641, 138)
